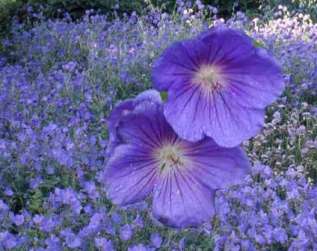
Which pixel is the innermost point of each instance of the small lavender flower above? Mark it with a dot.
(104, 244)
(53, 243)
(139, 247)
(156, 240)
(70, 66)
(3, 206)
(71, 240)
(8, 240)
(18, 219)
(126, 232)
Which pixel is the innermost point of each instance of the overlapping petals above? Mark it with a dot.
(181, 176)
(122, 109)
(218, 85)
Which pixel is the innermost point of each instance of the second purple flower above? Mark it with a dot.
(149, 158)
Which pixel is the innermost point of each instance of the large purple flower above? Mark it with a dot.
(182, 176)
(218, 85)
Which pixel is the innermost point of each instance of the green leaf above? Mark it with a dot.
(258, 43)
(164, 96)
(35, 203)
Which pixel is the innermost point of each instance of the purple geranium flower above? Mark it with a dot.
(181, 175)
(218, 85)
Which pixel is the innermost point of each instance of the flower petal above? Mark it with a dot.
(130, 174)
(230, 124)
(132, 169)
(140, 103)
(197, 114)
(147, 130)
(181, 201)
(217, 167)
(226, 45)
(253, 76)
(183, 111)
(117, 113)
(178, 64)
(256, 81)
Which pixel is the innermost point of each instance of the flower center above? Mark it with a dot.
(208, 77)
(170, 157)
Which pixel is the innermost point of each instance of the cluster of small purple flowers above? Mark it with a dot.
(58, 82)
(267, 211)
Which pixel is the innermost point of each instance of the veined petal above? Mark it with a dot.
(117, 113)
(130, 175)
(226, 45)
(230, 123)
(181, 201)
(148, 129)
(213, 115)
(140, 103)
(178, 64)
(215, 166)
(184, 113)
(256, 81)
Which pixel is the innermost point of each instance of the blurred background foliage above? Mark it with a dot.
(19, 9)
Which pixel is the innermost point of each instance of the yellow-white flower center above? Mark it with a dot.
(209, 77)
(170, 156)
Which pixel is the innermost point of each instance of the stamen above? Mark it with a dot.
(209, 77)
(169, 157)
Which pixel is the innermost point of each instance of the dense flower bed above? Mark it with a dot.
(58, 83)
